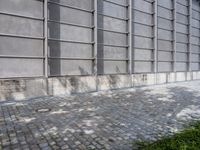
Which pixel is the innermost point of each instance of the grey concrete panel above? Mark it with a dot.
(140, 54)
(195, 14)
(195, 49)
(182, 18)
(180, 66)
(65, 49)
(115, 52)
(142, 18)
(111, 9)
(195, 5)
(79, 67)
(195, 32)
(122, 2)
(24, 46)
(181, 47)
(165, 45)
(162, 12)
(112, 24)
(167, 4)
(195, 23)
(83, 4)
(184, 2)
(164, 66)
(195, 57)
(21, 26)
(69, 15)
(194, 66)
(67, 32)
(143, 30)
(115, 67)
(33, 8)
(143, 6)
(165, 56)
(166, 24)
(112, 38)
(181, 38)
(166, 35)
(151, 1)
(182, 28)
(20, 67)
(182, 9)
(140, 67)
(181, 56)
(141, 42)
(195, 40)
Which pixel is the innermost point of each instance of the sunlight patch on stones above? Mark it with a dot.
(88, 131)
(43, 110)
(60, 111)
(190, 112)
(26, 119)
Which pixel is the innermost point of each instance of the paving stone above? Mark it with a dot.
(104, 120)
(65, 147)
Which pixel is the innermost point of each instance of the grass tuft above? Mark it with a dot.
(188, 139)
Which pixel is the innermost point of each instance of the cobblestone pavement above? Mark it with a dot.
(104, 120)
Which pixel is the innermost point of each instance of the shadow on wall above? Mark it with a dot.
(100, 39)
(54, 46)
(56, 62)
(113, 80)
(55, 51)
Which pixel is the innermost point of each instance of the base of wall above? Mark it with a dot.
(19, 89)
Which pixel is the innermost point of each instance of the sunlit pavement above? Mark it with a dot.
(104, 120)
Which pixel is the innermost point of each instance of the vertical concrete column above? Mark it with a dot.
(190, 35)
(95, 44)
(199, 39)
(46, 38)
(174, 36)
(190, 40)
(46, 66)
(155, 38)
(130, 36)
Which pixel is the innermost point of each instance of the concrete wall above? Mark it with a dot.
(70, 46)
(105, 37)
(22, 89)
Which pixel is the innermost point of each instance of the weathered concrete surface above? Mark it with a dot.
(71, 85)
(19, 89)
(104, 120)
(107, 82)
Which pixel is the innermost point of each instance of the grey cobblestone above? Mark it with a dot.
(104, 120)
